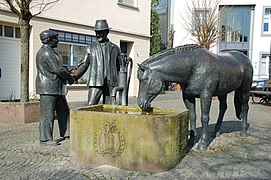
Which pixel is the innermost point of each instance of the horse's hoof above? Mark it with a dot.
(216, 134)
(202, 146)
(243, 134)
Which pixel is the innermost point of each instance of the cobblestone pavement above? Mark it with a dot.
(228, 156)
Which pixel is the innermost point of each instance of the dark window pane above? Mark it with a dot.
(265, 27)
(75, 38)
(17, 32)
(1, 31)
(78, 52)
(82, 39)
(68, 37)
(64, 51)
(88, 39)
(60, 36)
(8, 31)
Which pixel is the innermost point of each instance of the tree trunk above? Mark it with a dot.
(25, 31)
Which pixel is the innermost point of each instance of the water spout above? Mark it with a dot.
(114, 94)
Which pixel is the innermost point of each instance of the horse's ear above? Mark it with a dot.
(141, 67)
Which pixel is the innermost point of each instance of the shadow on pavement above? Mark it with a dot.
(227, 127)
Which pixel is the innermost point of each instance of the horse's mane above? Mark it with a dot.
(171, 51)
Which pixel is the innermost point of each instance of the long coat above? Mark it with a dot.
(51, 76)
(96, 60)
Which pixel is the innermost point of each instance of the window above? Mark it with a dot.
(71, 37)
(200, 18)
(8, 31)
(264, 65)
(71, 48)
(64, 52)
(235, 25)
(71, 55)
(267, 20)
(128, 2)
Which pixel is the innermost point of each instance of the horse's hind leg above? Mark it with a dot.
(245, 107)
(222, 109)
(190, 104)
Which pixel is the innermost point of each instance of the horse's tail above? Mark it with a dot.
(238, 104)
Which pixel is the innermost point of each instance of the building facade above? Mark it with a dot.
(129, 21)
(244, 25)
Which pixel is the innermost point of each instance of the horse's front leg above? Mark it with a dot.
(190, 104)
(205, 102)
(222, 109)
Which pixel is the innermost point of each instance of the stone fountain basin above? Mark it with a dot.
(127, 138)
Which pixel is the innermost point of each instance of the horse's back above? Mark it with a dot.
(238, 57)
(243, 65)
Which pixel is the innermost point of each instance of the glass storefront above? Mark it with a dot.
(71, 48)
(235, 27)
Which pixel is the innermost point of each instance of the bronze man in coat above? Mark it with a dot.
(50, 84)
(103, 59)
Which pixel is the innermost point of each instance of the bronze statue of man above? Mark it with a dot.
(50, 84)
(103, 59)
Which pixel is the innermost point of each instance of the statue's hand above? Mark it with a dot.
(71, 80)
(75, 77)
(72, 69)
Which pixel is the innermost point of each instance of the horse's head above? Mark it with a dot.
(150, 85)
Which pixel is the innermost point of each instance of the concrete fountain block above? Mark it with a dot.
(127, 139)
(19, 112)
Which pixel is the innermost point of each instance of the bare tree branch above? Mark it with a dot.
(9, 4)
(43, 5)
(33, 7)
(202, 21)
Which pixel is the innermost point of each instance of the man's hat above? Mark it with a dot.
(100, 25)
(48, 34)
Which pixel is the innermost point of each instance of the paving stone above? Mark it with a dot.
(228, 157)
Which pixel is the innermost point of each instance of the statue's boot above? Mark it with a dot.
(49, 143)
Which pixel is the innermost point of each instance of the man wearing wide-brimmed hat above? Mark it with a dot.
(103, 59)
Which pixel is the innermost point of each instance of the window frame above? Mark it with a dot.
(200, 12)
(264, 74)
(229, 31)
(132, 6)
(68, 37)
(74, 39)
(264, 33)
(16, 34)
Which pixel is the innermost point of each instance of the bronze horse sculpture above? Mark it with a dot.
(203, 75)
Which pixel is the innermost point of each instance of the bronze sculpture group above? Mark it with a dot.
(203, 75)
(200, 73)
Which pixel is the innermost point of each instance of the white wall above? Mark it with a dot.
(119, 17)
(127, 24)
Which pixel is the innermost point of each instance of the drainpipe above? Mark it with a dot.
(270, 62)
